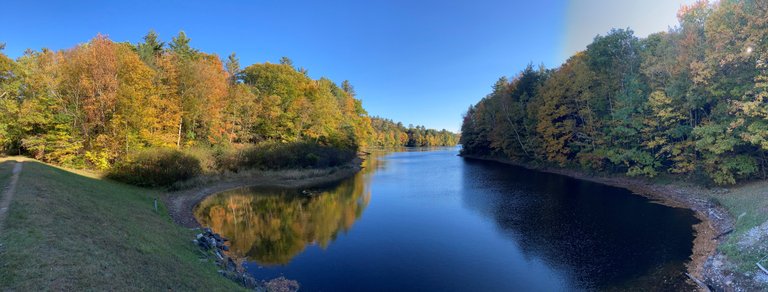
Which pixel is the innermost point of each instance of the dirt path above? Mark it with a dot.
(5, 199)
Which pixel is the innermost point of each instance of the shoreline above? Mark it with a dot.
(709, 233)
(181, 203)
(715, 220)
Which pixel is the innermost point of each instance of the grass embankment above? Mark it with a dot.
(6, 168)
(66, 231)
(748, 205)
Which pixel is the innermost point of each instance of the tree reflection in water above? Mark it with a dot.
(271, 226)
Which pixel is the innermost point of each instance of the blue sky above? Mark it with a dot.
(414, 61)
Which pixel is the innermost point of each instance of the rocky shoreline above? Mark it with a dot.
(706, 266)
(214, 245)
(181, 206)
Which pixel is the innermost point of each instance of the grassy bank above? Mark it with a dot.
(5, 173)
(66, 231)
(748, 205)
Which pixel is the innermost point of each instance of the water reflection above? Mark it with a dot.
(271, 226)
(605, 237)
(441, 223)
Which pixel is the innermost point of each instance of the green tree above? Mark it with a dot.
(180, 46)
(151, 48)
(10, 86)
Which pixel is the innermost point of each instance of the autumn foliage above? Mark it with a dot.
(690, 101)
(104, 105)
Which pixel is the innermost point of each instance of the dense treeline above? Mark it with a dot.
(691, 101)
(387, 133)
(100, 103)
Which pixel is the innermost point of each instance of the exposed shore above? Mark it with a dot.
(181, 203)
(715, 220)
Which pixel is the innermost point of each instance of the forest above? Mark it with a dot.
(102, 103)
(691, 101)
(387, 133)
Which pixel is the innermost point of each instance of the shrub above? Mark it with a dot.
(156, 167)
(208, 157)
(274, 156)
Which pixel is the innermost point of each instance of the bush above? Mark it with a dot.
(275, 156)
(208, 157)
(156, 167)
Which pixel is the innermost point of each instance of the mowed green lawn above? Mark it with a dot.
(65, 231)
(6, 169)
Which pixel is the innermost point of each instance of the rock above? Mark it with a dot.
(717, 263)
(761, 278)
(230, 269)
(249, 282)
(281, 284)
(231, 266)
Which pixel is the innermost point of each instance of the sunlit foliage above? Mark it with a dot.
(103, 103)
(387, 133)
(689, 101)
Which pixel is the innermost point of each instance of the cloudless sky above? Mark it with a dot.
(414, 61)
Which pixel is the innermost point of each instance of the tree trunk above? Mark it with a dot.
(178, 140)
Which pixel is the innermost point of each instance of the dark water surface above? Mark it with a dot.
(432, 221)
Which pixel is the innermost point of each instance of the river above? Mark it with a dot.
(428, 220)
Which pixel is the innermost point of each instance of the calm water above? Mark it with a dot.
(429, 220)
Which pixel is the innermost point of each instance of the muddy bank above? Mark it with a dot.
(181, 203)
(715, 220)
